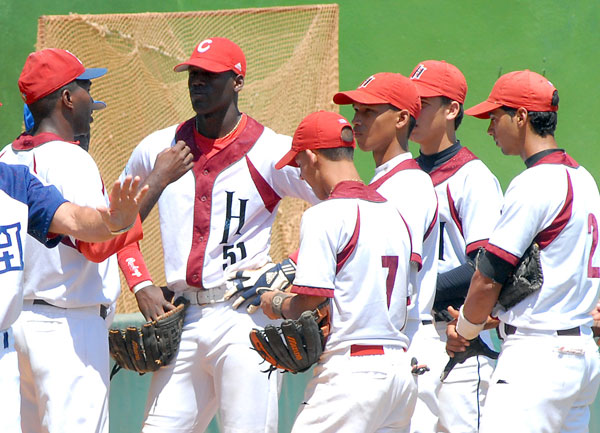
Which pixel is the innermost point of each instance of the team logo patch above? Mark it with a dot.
(11, 249)
(418, 72)
(204, 46)
(366, 82)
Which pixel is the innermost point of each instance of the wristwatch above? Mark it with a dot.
(277, 303)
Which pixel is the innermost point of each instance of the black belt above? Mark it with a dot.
(427, 322)
(103, 309)
(510, 330)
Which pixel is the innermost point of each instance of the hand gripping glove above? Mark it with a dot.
(526, 279)
(250, 284)
(295, 345)
(477, 347)
(149, 348)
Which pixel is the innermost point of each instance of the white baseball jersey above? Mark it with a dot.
(218, 215)
(355, 248)
(469, 198)
(63, 276)
(27, 207)
(556, 204)
(402, 182)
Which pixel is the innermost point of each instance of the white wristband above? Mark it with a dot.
(467, 329)
(140, 286)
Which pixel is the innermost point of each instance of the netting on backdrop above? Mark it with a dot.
(292, 57)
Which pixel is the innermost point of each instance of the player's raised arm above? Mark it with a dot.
(96, 225)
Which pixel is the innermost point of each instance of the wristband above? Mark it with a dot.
(467, 329)
(126, 229)
(140, 286)
(277, 303)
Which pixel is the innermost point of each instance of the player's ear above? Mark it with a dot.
(452, 110)
(66, 97)
(312, 156)
(402, 119)
(238, 83)
(521, 116)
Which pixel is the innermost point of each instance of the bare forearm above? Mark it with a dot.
(481, 298)
(82, 223)
(293, 307)
(156, 188)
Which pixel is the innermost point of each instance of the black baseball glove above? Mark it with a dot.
(150, 347)
(526, 279)
(477, 347)
(295, 345)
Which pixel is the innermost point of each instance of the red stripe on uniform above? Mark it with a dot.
(409, 164)
(504, 255)
(455, 163)
(546, 236)
(558, 158)
(269, 197)
(205, 172)
(312, 291)
(473, 246)
(454, 212)
(345, 254)
(433, 221)
(364, 350)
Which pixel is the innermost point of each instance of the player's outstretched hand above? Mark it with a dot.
(152, 303)
(251, 284)
(125, 200)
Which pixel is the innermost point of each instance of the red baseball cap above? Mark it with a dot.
(438, 78)
(48, 70)
(319, 130)
(384, 88)
(216, 55)
(517, 89)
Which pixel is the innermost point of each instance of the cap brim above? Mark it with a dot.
(352, 96)
(98, 105)
(288, 159)
(482, 110)
(91, 73)
(205, 64)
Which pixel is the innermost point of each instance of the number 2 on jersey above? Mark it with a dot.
(593, 271)
(390, 262)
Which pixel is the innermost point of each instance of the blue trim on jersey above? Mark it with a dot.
(5, 340)
(42, 201)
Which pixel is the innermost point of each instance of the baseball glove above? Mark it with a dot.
(295, 345)
(477, 347)
(526, 279)
(149, 348)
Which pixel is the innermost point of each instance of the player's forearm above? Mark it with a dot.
(481, 298)
(83, 223)
(156, 188)
(294, 306)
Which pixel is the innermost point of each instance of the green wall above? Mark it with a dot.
(484, 39)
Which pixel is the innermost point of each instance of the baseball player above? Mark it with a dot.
(469, 205)
(40, 211)
(68, 290)
(386, 106)
(215, 219)
(355, 251)
(554, 203)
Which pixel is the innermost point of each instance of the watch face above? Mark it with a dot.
(277, 300)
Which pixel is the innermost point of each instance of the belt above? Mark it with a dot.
(363, 350)
(510, 330)
(427, 322)
(103, 309)
(206, 296)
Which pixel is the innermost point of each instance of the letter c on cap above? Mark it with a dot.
(204, 45)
